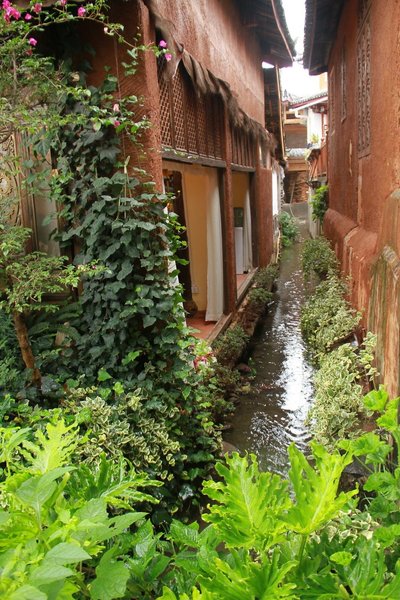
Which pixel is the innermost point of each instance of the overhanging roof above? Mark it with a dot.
(267, 19)
(322, 18)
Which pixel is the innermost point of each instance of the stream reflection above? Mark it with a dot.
(272, 415)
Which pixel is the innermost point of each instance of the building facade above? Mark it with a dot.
(357, 43)
(208, 143)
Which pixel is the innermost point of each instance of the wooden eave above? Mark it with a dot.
(322, 19)
(273, 108)
(266, 18)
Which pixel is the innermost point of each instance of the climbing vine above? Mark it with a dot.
(125, 337)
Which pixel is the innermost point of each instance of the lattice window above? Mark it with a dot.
(179, 105)
(190, 122)
(165, 106)
(364, 79)
(243, 148)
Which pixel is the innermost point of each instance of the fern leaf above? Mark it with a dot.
(316, 488)
(52, 449)
(247, 504)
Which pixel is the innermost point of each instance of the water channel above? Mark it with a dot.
(272, 415)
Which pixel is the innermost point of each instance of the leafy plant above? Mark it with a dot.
(26, 280)
(319, 203)
(259, 297)
(340, 383)
(326, 317)
(54, 527)
(265, 276)
(317, 257)
(229, 347)
(289, 228)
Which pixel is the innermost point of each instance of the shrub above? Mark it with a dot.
(266, 276)
(327, 317)
(289, 229)
(319, 203)
(339, 390)
(318, 258)
(11, 367)
(259, 297)
(229, 347)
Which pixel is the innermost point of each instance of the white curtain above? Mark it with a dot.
(247, 243)
(215, 274)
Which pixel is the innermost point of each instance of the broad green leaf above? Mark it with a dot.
(111, 578)
(385, 483)
(66, 553)
(376, 400)
(103, 375)
(369, 445)
(35, 491)
(27, 592)
(316, 488)
(342, 558)
(49, 573)
(247, 505)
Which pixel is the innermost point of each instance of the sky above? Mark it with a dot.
(295, 79)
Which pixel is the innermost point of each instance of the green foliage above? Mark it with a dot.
(318, 258)
(319, 203)
(327, 317)
(339, 386)
(289, 229)
(229, 347)
(265, 276)
(10, 361)
(27, 278)
(71, 531)
(54, 528)
(128, 322)
(259, 297)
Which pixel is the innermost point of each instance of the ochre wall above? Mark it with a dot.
(214, 34)
(240, 187)
(363, 220)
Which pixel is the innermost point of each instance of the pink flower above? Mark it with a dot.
(117, 123)
(62, 2)
(81, 11)
(162, 44)
(116, 107)
(168, 56)
(32, 41)
(6, 4)
(37, 8)
(10, 12)
(28, 17)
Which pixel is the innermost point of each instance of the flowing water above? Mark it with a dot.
(272, 415)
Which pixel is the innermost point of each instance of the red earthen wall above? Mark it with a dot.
(214, 34)
(363, 220)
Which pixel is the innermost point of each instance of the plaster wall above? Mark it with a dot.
(212, 31)
(240, 186)
(363, 220)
